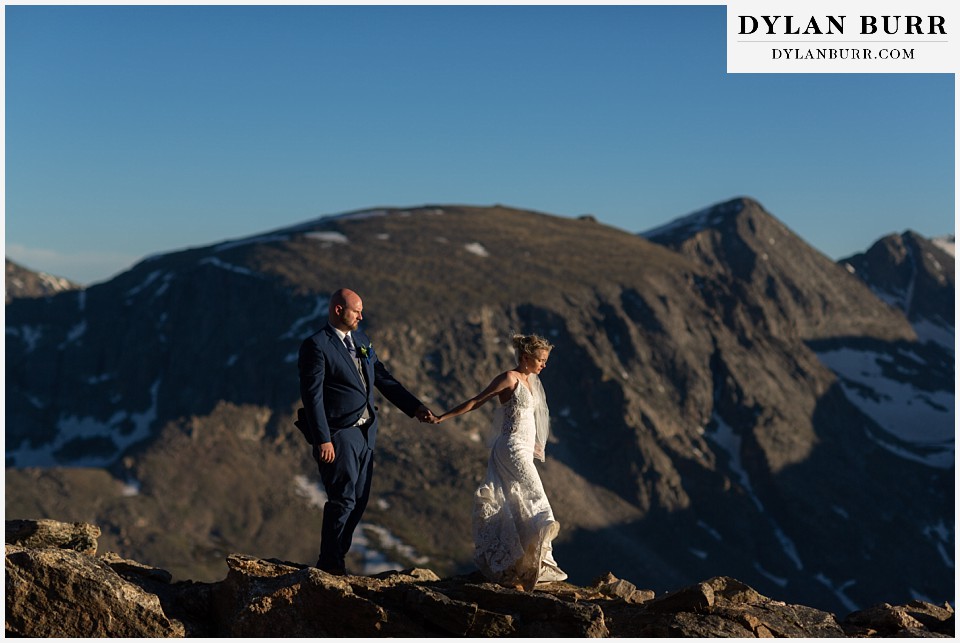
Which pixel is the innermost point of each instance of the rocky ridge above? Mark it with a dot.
(57, 586)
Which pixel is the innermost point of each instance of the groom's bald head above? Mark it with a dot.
(346, 310)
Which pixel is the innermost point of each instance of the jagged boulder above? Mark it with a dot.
(414, 591)
(915, 619)
(539, 613)
(719, 607)
(614, 587)
(62, 593)
(188, 602)
(262, 598)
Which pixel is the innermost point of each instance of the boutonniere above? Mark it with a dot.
(366, 351)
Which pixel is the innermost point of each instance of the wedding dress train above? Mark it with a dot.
(513, 524)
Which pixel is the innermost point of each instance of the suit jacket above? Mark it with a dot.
(333, 393)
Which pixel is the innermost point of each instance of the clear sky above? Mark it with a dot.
(134, 130)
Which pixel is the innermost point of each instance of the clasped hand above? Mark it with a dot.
(426, 415)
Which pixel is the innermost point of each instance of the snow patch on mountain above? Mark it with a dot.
(302, 327)
(306, 325)
(942, 536)
(29, 334)
(310, 491)
(477, 249)
(309, 229)
(839, 591)
(146, 283)
(920, 421)
(327, 236)
(214, 261)
(773, 578)
(930, 331)
(111, 438)
(370, 542)
(945, 243)
(75, 333)
(730, 443)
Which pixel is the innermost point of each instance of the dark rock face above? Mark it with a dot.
(699, 426)
(54, 592)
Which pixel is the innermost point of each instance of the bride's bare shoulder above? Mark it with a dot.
(510, 377)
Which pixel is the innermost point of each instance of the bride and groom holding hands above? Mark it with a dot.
(513, 523)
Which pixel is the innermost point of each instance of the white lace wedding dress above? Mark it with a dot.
(513, 524)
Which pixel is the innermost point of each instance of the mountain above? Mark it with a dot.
(703, 422)
(916, 275)
(22, 282)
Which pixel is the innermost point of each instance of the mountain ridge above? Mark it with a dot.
(686, 399)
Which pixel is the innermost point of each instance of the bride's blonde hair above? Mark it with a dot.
(530, 344)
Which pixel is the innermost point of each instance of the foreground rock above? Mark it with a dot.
(63, 593)
(53, 590)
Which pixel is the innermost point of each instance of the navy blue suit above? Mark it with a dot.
(334, 398)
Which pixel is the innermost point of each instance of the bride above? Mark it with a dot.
(513, 524)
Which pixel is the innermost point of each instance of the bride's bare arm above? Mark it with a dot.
(500, 383)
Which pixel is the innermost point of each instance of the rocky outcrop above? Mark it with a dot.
(53, 591)
(63, 593)
(915, 619)
(78, 536)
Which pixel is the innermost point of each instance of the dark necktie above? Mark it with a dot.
(350, 347)
(353, 354)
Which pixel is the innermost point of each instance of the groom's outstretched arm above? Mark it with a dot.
(399, 396)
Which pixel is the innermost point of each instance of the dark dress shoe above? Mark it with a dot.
(332, 570)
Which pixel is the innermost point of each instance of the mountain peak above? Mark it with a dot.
(712, 217)
(23, 283)
(802, 290)
(916, 275)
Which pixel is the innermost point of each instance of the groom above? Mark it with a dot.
(338, 372)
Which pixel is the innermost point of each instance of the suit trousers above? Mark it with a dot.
(347, 483)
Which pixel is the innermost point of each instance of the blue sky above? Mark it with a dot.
(133, 130)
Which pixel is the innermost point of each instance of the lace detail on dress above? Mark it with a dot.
(513, 523)
(521, 401)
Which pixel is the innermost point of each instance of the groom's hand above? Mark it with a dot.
(426, 415)
(327, 454)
